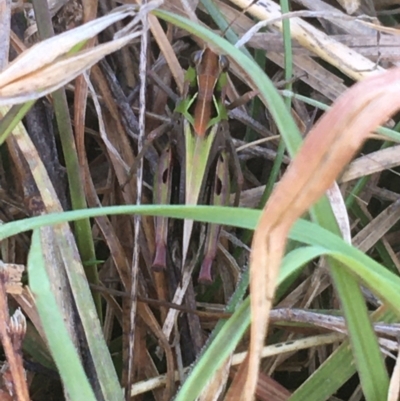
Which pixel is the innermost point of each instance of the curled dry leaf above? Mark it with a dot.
(327, 149)
(51, 63)
(47, 51)
(57, 74)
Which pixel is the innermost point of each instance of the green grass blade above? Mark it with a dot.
(11, 117)
(102, 362)
(366, 351)
(247, 218)
(375, 276)
(367, 354)
(228, 337)
(61, 346)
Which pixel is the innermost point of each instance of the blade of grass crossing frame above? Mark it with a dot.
(381, 281)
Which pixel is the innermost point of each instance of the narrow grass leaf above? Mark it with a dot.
(60, 344)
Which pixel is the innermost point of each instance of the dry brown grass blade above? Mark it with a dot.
(81, 91)
(147, 315)
(217, 385)
(5, 20)
(167, 51)
(366, 238)
(350, 6)
(371, 163)
(339, 210)
(13, 284)
(165, 46)
(305, 67)
(345, 59)
(326, 150)
(394, 389)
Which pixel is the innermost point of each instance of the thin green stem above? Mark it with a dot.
(12, 118)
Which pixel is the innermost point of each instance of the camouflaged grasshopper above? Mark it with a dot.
(207, 141)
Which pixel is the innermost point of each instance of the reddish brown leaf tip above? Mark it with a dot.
(160, 258)
(205, 271)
